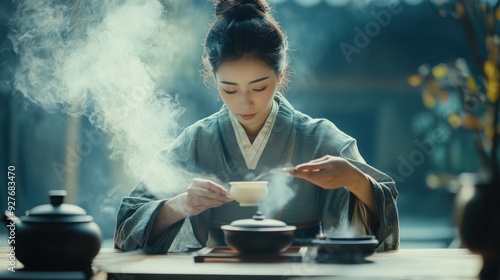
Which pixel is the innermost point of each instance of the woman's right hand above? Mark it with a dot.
(204, 194)
(201, 195)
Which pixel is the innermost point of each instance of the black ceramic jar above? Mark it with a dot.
(55, 236)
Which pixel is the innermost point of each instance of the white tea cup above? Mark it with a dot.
(249, 193)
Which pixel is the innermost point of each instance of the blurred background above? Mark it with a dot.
(351, 61)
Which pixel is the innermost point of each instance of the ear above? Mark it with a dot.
(281, 76)
(281, 80)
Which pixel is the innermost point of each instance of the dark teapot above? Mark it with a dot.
(55, 236)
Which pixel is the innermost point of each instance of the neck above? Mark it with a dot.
(251, 138)
(252, 132)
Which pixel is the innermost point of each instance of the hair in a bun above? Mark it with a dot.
(245, 28)
(241, 9)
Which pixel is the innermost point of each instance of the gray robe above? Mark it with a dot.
(209, 148)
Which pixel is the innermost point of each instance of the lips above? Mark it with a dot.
(248, 117)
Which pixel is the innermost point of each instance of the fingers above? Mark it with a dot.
(313, 165)
(328, 172)
(309, 167)
(306, 170)
(200, 192)
(203, 194)
(203, 203)
(315, 171)
(209, 190)
(318, 164)
(305, 173)
(209, 185)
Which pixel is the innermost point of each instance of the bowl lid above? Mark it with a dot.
(258, 221)
(57, 210)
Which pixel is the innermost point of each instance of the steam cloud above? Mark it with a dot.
(279, 194)
(107, 60)
(104, 60)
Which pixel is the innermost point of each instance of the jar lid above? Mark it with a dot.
(57, 210)
(258, 221)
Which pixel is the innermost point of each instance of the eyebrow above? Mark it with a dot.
(252, 82)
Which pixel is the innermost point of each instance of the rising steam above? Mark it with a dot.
(104, 60)
(280, 193)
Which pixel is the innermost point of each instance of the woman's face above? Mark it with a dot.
(247, 88)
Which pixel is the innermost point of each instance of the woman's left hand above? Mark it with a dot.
(330, 172)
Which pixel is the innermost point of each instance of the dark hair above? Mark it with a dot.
(245, 28)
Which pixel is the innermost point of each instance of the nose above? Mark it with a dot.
(246, 100)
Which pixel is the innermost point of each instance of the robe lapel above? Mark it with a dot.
(233, 159)
(274, 154)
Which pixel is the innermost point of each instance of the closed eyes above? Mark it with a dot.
(234, 91)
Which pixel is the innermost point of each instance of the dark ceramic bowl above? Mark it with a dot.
(344, 249)
(258, 236)
(259, 242)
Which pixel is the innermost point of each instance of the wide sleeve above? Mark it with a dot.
(168, 175)
(135, 220)
(384, 189)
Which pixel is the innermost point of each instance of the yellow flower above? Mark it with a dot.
(471, 83)
(490, 44)
(489, 127)
(490, 21)
(429, 99)
(454, 120)
(460, 10)
(489, 131)
(492, 90)
(471, 122)
(490, 69)
(415, 80)
(440, 71)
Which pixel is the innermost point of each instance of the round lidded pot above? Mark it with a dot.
(258, 236)
(55, 236)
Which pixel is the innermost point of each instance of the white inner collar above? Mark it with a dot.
(252, 151)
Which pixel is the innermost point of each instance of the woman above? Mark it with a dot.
(256, 129)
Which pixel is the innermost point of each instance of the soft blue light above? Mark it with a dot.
(308, 3)
(277, 2)
(489, 2)
(337, 2)
(414, 2)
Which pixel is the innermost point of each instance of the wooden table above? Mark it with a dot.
(401, 264)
